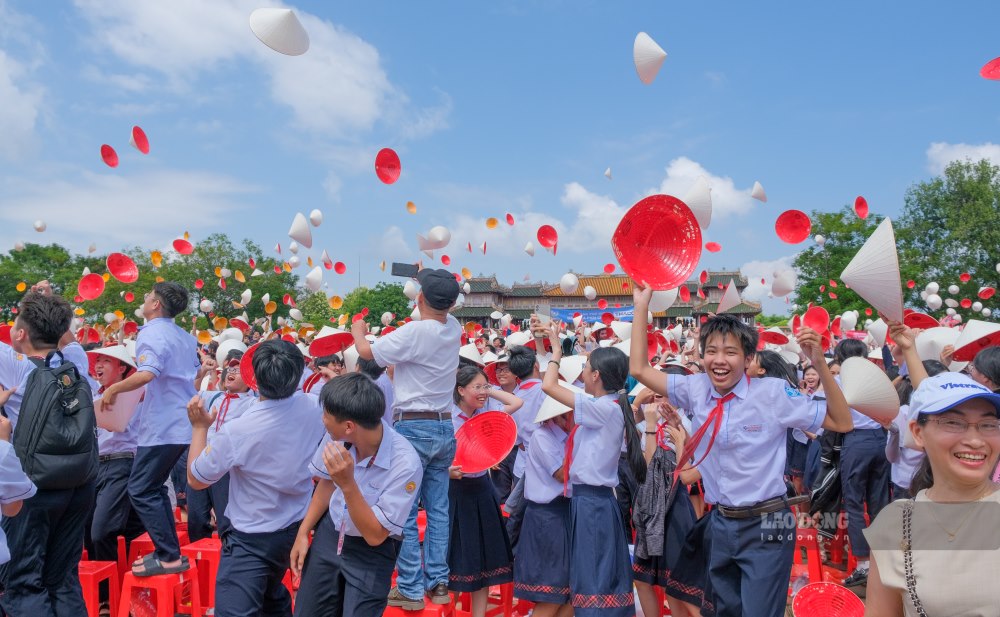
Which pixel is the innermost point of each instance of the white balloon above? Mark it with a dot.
(589, 292)
(294, 261)
(977, 306)
(110, 317)
(40, 226)
(951, 302)
(91, 248)
(206, 305)
(950, 312)
(295, 314)
(467, 288)
(848, 320)
(293, 246)
(19, 246)
(932, 288)
(987, 312)
(958, 318)
(316, 218)
(934, 301)
(387, 318)
(225, 272)
(953, 289)
(648, 57)
(440, 236)
(924, 294)
(410, 290)
(820, 240)
(569, 283)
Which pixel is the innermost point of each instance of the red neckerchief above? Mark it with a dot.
(524, 385)
(715, 420)
(224, 409)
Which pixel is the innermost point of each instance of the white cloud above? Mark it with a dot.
(756, 291)
(332, 184)
(939, 154)
(19, 111)
(726, 198)
(390, 246)
(119, 210)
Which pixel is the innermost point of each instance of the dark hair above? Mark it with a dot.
(500, 338)
(464, 377)
(987, 362)
(612, 365)
(775, 366)
(353, 397)
(173, 298)
(923, 477)
(278, 366)
(811, 367)
(904, 389)
(725, 324)
(324, 360)
(521, 361)
(371, 368)
(45, 318)
(849, 348)
(234, 354)
(212, 347)
(463, 361)
(672, 369)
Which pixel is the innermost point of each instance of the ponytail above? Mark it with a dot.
(923, 477)
(633, 447)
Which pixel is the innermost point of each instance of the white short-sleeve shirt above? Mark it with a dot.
(425, 356)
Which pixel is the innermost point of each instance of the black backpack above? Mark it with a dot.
(56, 434)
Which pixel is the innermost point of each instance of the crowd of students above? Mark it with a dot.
(321, 465)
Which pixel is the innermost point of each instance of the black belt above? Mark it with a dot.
(104, 458)
(761, 507)
(422, 415)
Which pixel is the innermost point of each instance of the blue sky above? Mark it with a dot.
(494, 108)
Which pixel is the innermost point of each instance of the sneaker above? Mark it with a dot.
(440, 595)
(858, 577)
(407, 604)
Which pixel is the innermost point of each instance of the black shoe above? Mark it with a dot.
(858, 577)
(439, 595)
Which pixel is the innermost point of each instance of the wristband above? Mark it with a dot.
(556, 362)
(650, 432)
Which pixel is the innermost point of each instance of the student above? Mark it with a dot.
(746, 423)
(113, 514)
(380, 376)
(479, 555)
(500, 375)
(523, 363)
(864, 472)
(46, 539)
(15, 486)
(369, 478)
(767, 363)
(167, 360)
(230, 403)
(542, 566)
(601, 573)
(425, 355)
(266, 453)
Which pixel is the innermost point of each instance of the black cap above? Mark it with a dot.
(439, 287)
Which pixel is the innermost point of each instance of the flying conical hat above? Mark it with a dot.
(874, 272)
(471, 352)
(976, 336)
(783, 284)
(730, 299)
(622, 329)
(662, 300)
(314, 280)
(280, 30)
(300, 232)
(648, 57)
(607, 173)
(930, 342)
(571, 367)
(868, 389)
(878, 329)
(758, 192)
(699, 199)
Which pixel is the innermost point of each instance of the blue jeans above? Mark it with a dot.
(434, 441)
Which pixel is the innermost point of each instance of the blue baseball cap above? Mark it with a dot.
(946, 391)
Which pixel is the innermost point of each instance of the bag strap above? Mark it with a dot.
(907, 545)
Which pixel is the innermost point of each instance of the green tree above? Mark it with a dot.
(316, 309)
(950, 227)
(35, 263)
(383, 298)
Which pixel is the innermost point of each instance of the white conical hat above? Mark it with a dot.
(295, 314)
(622, 329)
(439, 237)
(314, 280)
(529, 248)
(625, 346)
(874, 272)
(351, 356)
(677, 332)
(662, 300)
(976, 335)
(848, 321)
(699, 200)
(783, 284)
(868, 389)
(471, 352)
(758, 192)
(930, 342)
(789, 356)
(300, 232)
(878, 329)
(325, 258)
(648, 57)
(588, 292)
(280, 30)
(571, 367)
(245, 297)
(569, 283)
(607, 173)
(730, 299)
(551, 407)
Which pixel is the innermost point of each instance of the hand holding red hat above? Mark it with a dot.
(641, 296)
(809, 340)
(902, 334)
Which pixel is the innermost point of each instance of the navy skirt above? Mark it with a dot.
(659, 570)
(479, 554)
(541, 570)
(691, 571)
(600, 567)
(795, 456)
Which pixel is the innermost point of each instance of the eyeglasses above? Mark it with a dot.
(502, 369)
(954, 425)
(482, 388)
(233, 370)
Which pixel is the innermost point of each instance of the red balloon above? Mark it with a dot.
(861, 207)
(139, 140)
(713, 247)
(547, 236)
(607, 318)
(965, 277)
(868, 312)
(109, 156)
(387, 166)
(911, 284)
(658, 242)
(833, 283)
(91, 286)
(991, 70)
(510, 219)
(684, 293)
(966, 303)
(701, 292)
(446, 260)
(602, 304)
(184, 247)
(609, 268)
(198, 284)
(122, 267)
(793, 226)
(129, 296)
(833, 296)
(703, 277)
(339, 267)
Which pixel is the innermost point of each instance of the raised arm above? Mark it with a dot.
(510, 402)
(550, 381)
(638, 365)
(904, 338)
(838, 413)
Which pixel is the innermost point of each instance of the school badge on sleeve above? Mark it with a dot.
(411, 486)
(792, 392)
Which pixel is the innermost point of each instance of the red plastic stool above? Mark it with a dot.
(123, 566)
(499, 603)
(169, 591)
(205, 554)
(92, 574)
(421, 524)
(430, 610)
(143, 545)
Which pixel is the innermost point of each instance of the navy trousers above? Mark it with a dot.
(150, 469)
(113, 513)
(200, 504)
(750, 563)
(355, 583)
(249, 582)
(864, 478)
(46, 543)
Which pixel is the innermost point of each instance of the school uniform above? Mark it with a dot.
(45, 539)
(14, 486)
(542, 566)
(751, 544)
(266, 453)
(354, 578)
(201, 503)
(531, 394)
(170, 354)
(385, 385)
(425, 356)
(479, 554)
(601, 571)
(503, 476)
(904, 460)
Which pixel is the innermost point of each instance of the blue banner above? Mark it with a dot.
(623, 313)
